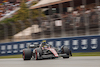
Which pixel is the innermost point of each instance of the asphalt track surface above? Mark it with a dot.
(58, 62)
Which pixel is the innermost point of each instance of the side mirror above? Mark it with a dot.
(32, 46)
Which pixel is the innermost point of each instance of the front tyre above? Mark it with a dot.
(65, 50)
(67, 56)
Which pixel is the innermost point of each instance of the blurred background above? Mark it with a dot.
(22, 20)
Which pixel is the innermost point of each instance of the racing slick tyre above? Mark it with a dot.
(65, 50)
(27, 54)
(67, 56)
(38, 54)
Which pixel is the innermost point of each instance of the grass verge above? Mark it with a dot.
(87, 54)
(11, 56)
(74, 54)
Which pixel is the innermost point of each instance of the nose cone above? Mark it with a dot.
(53, 51)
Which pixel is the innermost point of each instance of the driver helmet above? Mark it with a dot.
(44, 42)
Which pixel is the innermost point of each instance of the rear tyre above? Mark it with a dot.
(38, 54)
(27, 54)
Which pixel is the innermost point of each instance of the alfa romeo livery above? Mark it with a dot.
(45, 50)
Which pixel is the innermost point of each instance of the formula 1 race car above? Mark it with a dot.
(44, 50)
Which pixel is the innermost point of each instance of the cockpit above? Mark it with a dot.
(45, 45)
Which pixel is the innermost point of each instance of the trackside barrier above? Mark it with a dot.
(76, 44)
